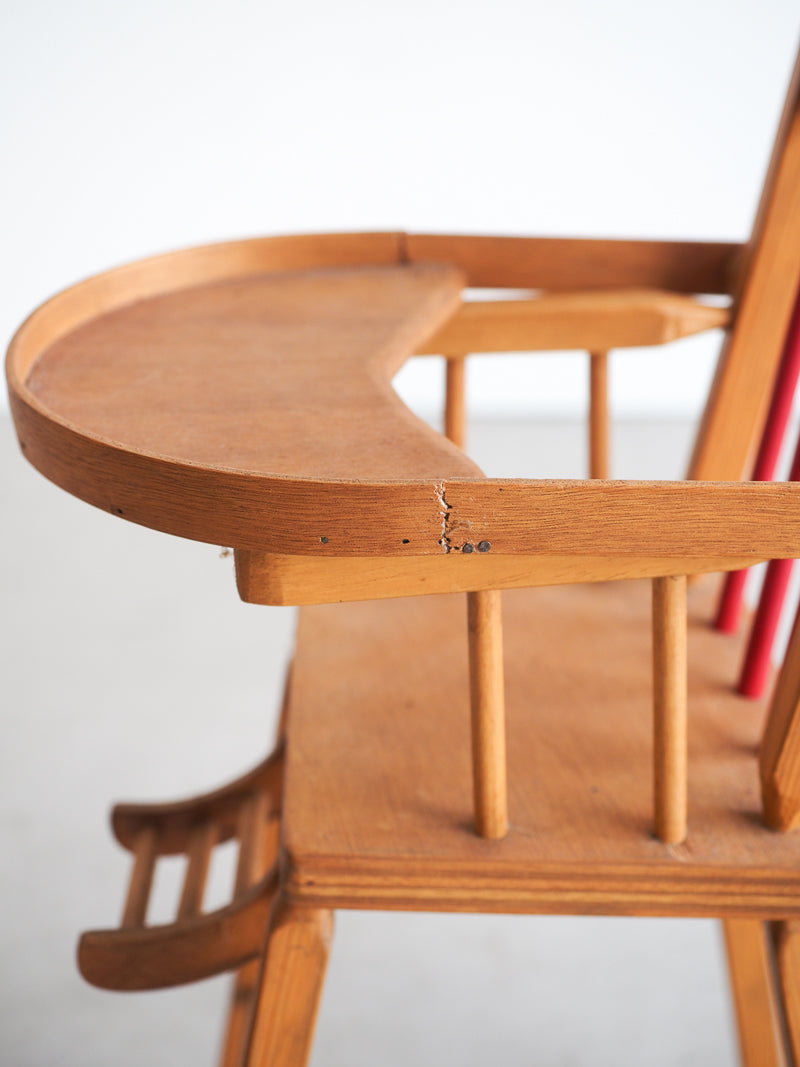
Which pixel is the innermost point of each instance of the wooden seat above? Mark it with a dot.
(387, 823)
(241, 394)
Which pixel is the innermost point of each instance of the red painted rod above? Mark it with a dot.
(757, 667)
(731, 605)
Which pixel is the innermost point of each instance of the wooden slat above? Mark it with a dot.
(669, 708)
(487, 704)
(599, 429)
(753, 987)
(455, 416)
(145, 853)
(201, 844)
(578, 320)
(575, 263)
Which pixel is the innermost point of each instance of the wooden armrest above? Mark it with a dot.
(595, 321)
(507, 534)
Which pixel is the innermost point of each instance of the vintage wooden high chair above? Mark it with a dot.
(240, 394)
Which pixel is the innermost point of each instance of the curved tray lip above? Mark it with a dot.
(220, 504)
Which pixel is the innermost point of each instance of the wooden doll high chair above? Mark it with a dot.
(240, 394)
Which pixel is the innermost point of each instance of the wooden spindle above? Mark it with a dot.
(201, 842)
(669, 708)
(488, 712)
(144, 862)
(455, 420)
(599, 448)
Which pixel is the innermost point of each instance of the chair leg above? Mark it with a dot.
(289, 987)
(752, 974)
(240, 1014)
(787, 953)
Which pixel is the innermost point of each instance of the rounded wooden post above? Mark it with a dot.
(454, 408)
(598, 415)
(669, 708)
(488, 712)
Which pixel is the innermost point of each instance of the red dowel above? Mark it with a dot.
(731, 605)
(758, 658)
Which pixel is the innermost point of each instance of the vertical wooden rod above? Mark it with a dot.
(599, 449)
(669, 708)
(202, 841)
(488, 712)
(454, 407)
(145, 855)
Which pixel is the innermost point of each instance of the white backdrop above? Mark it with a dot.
(130, 129)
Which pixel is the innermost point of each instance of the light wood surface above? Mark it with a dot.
(750, 965)
(669, 708)
(388, 823)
